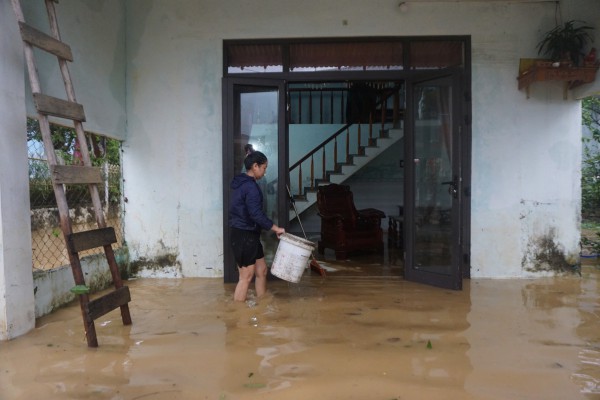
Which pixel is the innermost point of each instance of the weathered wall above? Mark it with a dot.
(526, 152)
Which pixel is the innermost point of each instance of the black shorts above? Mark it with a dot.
(246, 246)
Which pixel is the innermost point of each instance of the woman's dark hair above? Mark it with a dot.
(254, 157)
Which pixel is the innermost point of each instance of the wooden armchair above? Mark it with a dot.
(344, 228)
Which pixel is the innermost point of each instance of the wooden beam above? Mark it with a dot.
(45, 42)
(86, 240)
(75, 174)
(49, 105)
(102, 305)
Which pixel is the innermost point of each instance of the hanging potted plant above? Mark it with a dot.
(565, 43)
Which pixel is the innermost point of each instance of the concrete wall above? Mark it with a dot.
(526, 152)
(16, 282)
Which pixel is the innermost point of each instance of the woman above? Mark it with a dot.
(246, 220)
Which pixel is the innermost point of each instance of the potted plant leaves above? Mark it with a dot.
(565, 43)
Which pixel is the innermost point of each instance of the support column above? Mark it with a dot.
(17, 303)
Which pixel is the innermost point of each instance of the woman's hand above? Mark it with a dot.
(278, 230)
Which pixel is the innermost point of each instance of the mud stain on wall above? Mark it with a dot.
(544, 254)
(166, 264)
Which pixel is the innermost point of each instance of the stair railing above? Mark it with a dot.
(296, 168)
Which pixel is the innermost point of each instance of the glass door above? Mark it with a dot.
(433, 198)
(254, 116)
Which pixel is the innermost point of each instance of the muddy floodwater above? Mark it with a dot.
(345, 336)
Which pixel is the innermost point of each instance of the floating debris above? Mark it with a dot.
(80, 289)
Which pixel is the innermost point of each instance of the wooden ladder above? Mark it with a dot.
(72, 174)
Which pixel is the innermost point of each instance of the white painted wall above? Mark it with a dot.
(16, 281)
(526, 152)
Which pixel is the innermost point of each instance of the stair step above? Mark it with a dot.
(322, 182)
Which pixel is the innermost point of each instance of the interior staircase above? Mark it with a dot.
(372, 117)
(345, 169)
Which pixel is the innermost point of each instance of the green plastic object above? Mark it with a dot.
(80, 289)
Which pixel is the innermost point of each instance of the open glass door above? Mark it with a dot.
(254, 115)
(433, 197)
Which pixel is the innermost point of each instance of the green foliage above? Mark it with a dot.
(590, 172)
(104, 152)
(565, 41)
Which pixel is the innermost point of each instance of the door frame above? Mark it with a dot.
(230, 124)
(408, 75)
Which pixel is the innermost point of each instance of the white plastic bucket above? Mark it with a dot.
(292, 257)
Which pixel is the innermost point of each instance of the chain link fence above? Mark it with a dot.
(49, 249)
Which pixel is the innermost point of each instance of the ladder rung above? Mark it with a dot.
(102, 305)
(45, 42)
(60, 108)
(75, 174)
(81, 241)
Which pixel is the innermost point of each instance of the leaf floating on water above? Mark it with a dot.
(80, 289)
(429, 346)
(251, 374)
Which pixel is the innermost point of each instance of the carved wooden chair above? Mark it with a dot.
(344, 228)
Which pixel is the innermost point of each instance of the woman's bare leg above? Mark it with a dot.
(260, 282)
(241, 289)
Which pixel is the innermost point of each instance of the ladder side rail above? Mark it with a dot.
(116, 276)
(59, 190)
(44, 126)
(83, 147)
(81, 137)
(103, 237)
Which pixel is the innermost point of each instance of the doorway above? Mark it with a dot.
(294, 117)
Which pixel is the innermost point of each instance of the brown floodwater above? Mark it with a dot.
(364, 335)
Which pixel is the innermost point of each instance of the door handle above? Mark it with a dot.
(452, 187)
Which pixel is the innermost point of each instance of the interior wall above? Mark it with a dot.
(526, 152)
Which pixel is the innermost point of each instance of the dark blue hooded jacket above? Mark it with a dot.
(246, 207)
